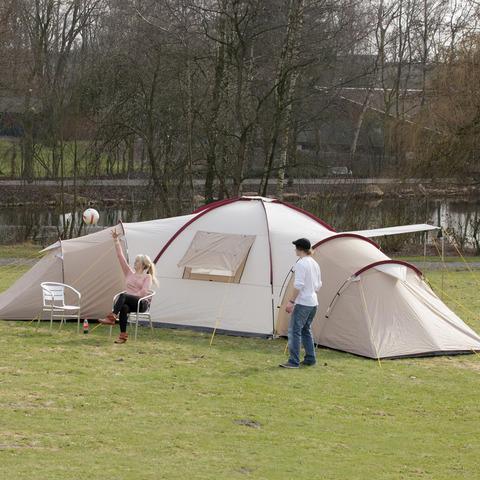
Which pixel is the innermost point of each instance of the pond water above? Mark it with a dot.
(462, 216)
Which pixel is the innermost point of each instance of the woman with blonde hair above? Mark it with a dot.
(138, 282)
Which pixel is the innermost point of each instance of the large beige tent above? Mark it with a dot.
(228, 266)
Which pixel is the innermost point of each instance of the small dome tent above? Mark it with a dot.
(376, 307)
(226, 266)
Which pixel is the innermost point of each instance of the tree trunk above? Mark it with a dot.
(27, 143)
(285, 81)
(74, 209)
(131, 156)
(13, 160)
(212, 125)
(358, 128)
(286, 136)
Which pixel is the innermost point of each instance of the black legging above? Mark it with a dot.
(125, 304)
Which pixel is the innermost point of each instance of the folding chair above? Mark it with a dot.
(134, 317)
(54, 302)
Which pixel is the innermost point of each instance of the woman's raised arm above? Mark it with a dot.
(121, 257)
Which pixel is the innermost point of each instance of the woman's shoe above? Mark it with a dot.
(122, 338)
(110, 319)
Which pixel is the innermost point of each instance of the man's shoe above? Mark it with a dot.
(307, 364)
(288, 365)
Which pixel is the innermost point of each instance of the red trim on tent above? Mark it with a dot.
(200, 214)
(353, 235)
(308, 214)
(212, 205)
(384, 262)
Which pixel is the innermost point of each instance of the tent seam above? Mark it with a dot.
(63, 263)
(271, 264)
(365, 307)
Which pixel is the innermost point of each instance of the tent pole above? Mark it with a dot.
(443, 257)
(425, 238)
(442, 252)
(61, 253)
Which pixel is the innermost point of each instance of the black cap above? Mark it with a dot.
(303, 244)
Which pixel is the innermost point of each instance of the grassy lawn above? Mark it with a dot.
(170, 407)
(44, 157)
(28, 250)
(448, 259)
(10, 272)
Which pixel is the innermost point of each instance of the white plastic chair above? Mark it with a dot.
(54, 302)
(134, 317)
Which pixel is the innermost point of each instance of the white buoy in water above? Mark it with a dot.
(90, 216)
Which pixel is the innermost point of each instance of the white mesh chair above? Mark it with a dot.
(54, 302)
(135, 317)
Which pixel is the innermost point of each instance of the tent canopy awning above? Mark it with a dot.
(398, 230)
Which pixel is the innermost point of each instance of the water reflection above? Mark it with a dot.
(460, 215)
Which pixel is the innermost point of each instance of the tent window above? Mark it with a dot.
(216, 257)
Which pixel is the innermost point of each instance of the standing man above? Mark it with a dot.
(303, 306)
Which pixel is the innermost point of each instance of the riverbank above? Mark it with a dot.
(126, 191)
(37, 215)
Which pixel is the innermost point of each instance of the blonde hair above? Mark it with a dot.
(149, 266)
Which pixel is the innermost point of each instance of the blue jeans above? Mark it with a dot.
(300, 332)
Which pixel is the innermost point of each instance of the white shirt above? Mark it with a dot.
(308, 281)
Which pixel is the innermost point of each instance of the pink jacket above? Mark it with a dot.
(137, 284)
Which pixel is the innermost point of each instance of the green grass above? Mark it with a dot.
(170, 407)
(44, 157)
(10, 272)
(19, 250)
(448, 259)
(459, 292)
